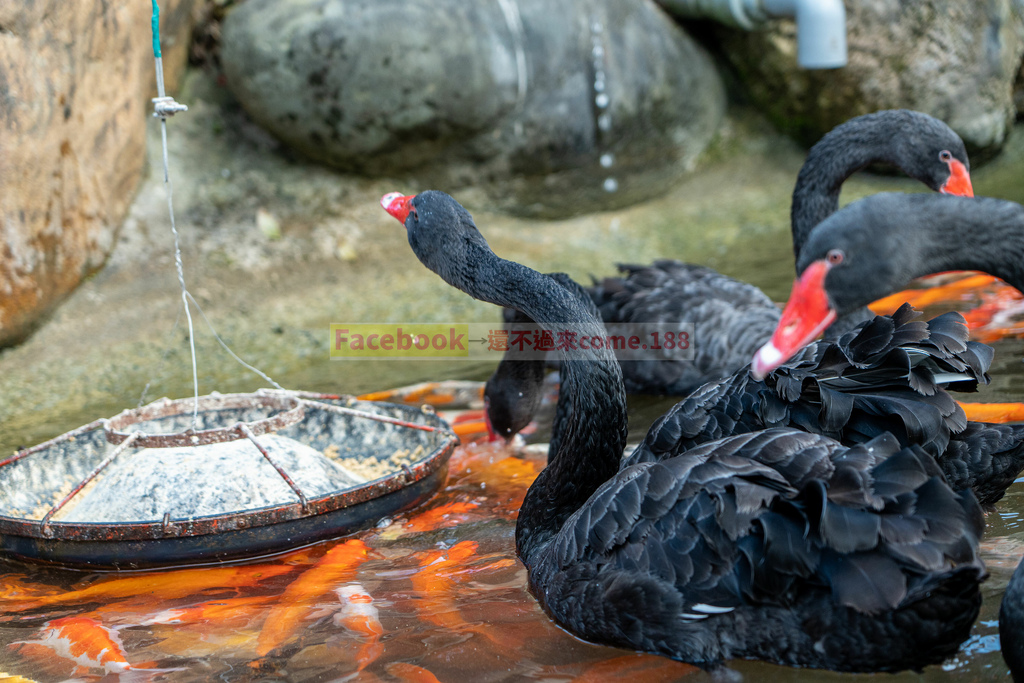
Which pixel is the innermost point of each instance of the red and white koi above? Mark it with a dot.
(338, 564)
(359, 615)
(84, 641)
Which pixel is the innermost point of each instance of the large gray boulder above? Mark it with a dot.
(581, 104)
(954, 59)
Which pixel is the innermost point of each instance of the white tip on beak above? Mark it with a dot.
(765, 360)
(386, 200)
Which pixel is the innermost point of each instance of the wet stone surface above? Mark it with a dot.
(535, 101)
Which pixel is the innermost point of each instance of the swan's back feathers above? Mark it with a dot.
(666, 288)
(772, 520)
(889, 375)
(986, 458)
(731, 319)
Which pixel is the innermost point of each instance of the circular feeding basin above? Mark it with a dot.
(248, 475)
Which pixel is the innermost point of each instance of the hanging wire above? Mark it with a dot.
(165, 106)
(228, 348)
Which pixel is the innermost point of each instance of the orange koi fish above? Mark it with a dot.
(506, 478)
(167, 585)
(443, 575)
(997, 317)
(994, 412)
(359, 615)
(919, 298)
(439, 517)
(446, 394)
(410, 673)
(84, 641)
(14, 588)
(434, 584)
(469, 425)
(11, 678)
(338, 565)
(219, 612)
(637, 668)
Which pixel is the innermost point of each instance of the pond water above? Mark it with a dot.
(434, 594)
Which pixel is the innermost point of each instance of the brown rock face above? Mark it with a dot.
(75, 83)
(953, 59)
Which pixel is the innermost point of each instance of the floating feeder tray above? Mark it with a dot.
(259, 474)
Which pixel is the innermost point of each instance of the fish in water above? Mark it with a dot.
(446, 515)
(338, 565)
(159, 585)
(218, 612)
(359, 615)
(86, 642)
(410, 673)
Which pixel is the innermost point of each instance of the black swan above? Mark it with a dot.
(780, 545)
(1011, 624)
(887, 375)
(877, 245)
(732, 318)
(881, 243)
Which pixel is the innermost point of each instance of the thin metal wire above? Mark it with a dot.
(228, 349)
(170, 208)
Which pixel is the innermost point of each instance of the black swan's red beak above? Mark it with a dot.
(959, 182)
(397, 205)
(806, 315)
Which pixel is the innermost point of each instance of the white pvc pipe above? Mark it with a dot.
(820, 24)
(820, 30)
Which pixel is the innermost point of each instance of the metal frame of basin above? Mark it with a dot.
(82, 454)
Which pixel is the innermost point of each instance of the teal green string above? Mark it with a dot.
(156, 30)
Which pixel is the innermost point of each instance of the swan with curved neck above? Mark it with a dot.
(877, 245)
(920, 145)
(777, 545)
(732, 318)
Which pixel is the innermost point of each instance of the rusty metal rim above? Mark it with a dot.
(289, 402)
(291, 408)
(170, 528)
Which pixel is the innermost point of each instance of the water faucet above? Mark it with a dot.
(820, 24)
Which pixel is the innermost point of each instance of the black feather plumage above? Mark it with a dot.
(734, 548)
(886, 376)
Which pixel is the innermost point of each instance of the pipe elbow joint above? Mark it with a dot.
(820, 30)
(821, 24)
(821, 34)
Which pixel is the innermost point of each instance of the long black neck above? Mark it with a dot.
(842, 152)
(959, 233)
(592, 404)
(892, 238)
